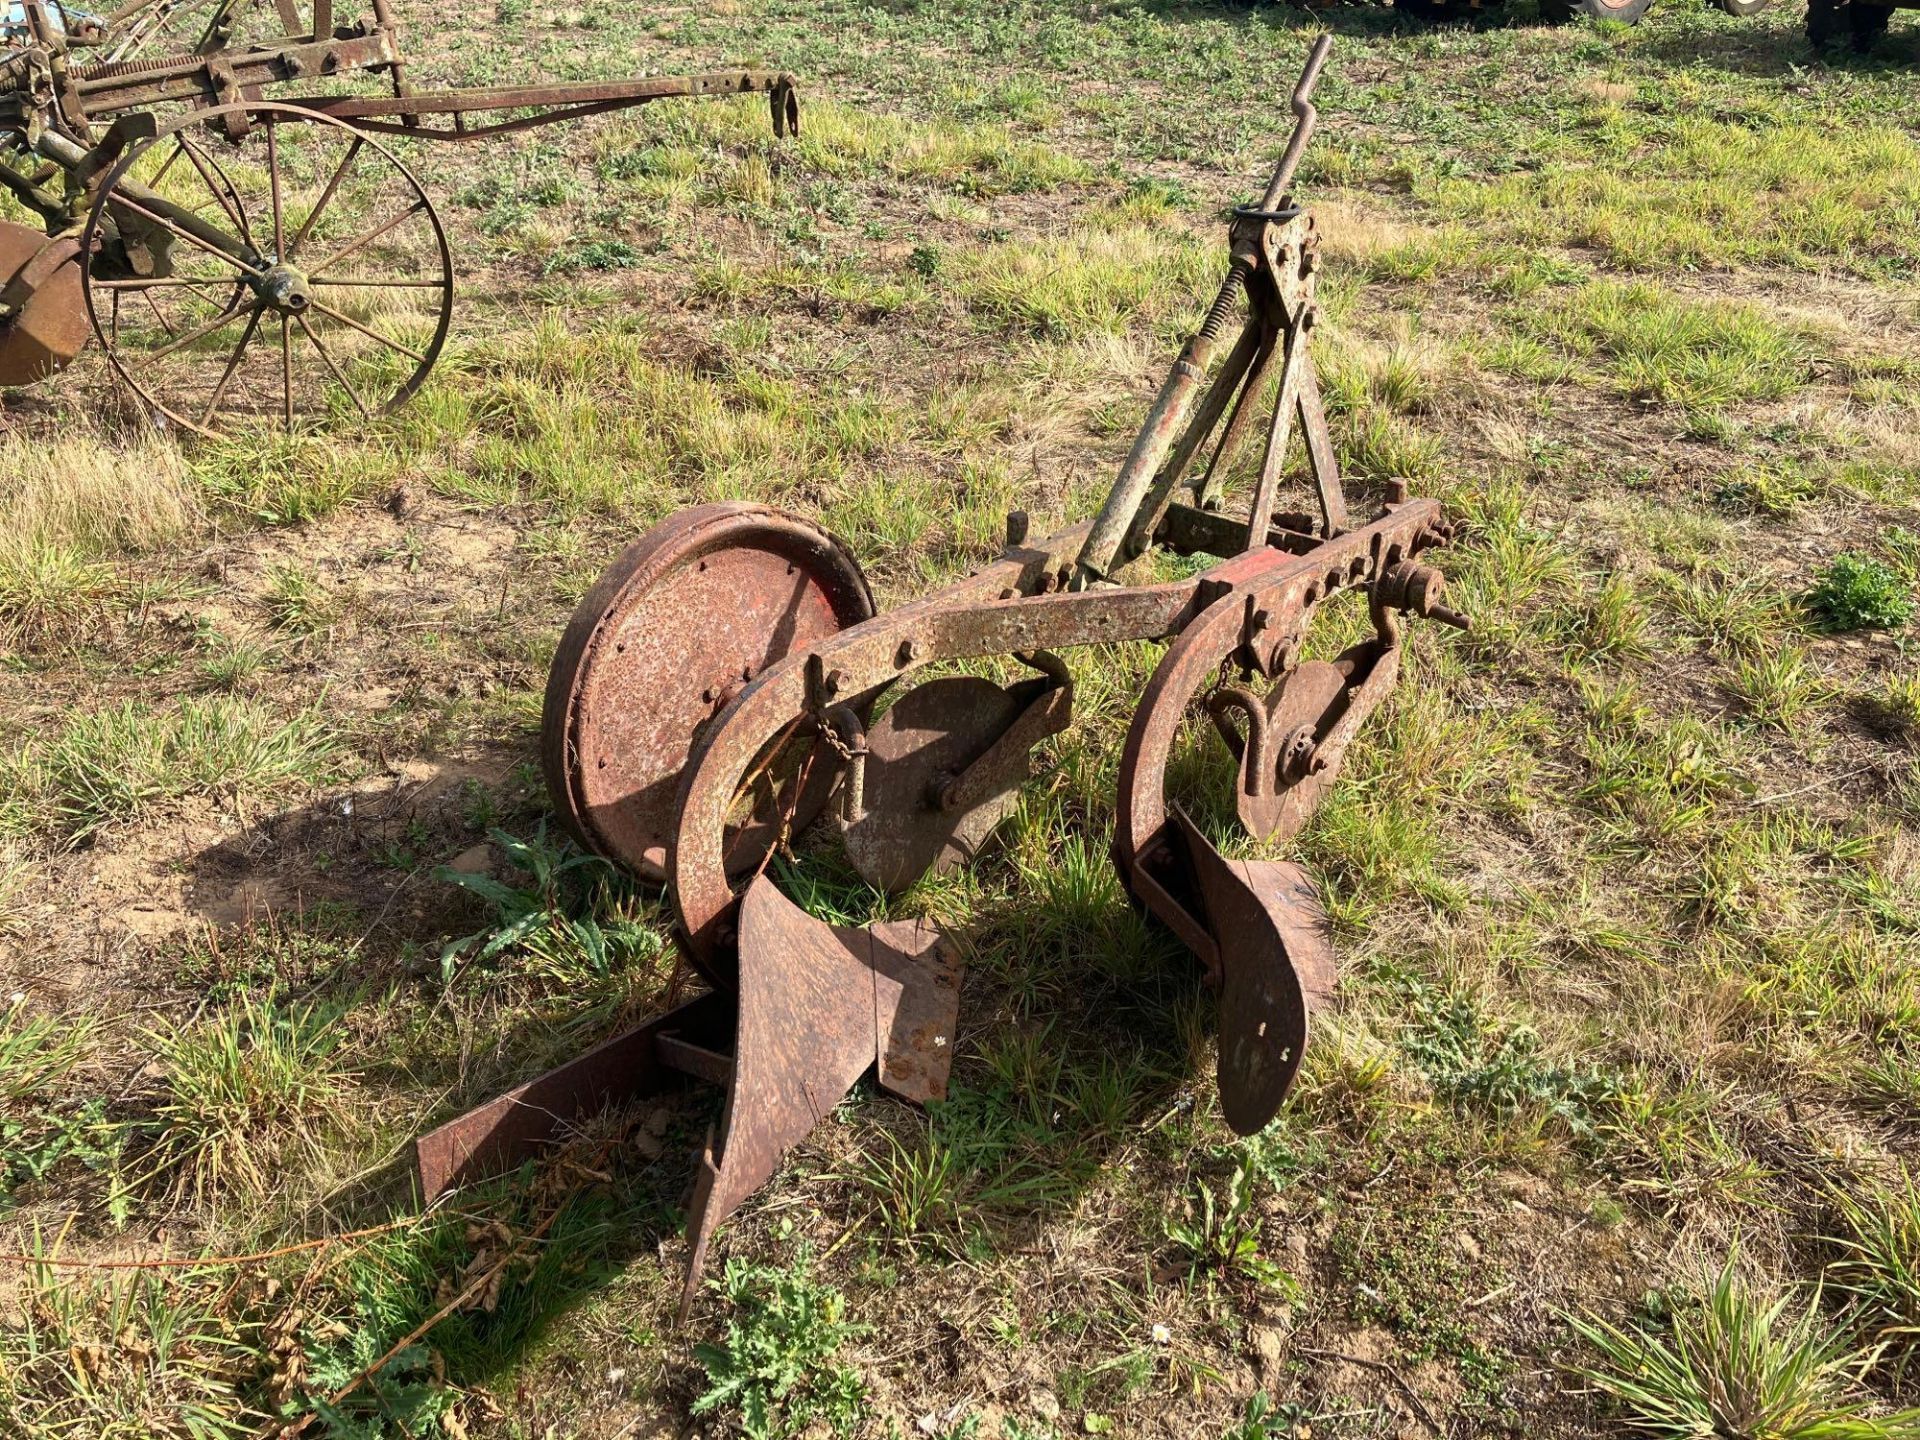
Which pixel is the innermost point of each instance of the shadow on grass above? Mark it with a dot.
(1078, 1025)
(1353, 21)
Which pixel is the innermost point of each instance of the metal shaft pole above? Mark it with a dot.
(1170, 408)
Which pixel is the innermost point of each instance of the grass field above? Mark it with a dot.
(1616, 1128)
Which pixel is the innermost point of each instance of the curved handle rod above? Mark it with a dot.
(1304, 119)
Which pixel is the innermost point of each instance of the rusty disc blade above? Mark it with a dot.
(1276, 964)
(925, 740)
(680, 622)
(49, 325)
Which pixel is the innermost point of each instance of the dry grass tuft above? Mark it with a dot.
(68, 510)
(86, 493)
(1356, 234)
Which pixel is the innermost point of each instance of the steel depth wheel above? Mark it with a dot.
(1869, 23)
(302, 274)
(680, 623)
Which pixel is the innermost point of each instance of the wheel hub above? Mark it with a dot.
(284, 288)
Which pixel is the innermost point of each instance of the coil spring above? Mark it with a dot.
(1223, 302)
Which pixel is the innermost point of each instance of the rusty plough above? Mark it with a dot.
(722, 687)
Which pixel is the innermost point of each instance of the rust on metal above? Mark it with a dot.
(838, 1001)
(501, 1133)
(941, 769)
(1276, 969)
(680, 790)
(679, 624)
(43, 321)
(557, 103)
(159, 244)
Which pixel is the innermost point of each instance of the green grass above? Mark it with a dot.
(117, 764)
(130, 1354)
(1097, 280)
(72, 508)
(1665, 349)
(912, 1190)
(48, 590)
(248, 1095)
(1741, 1364)
(1780, 687)
(1877, 1268)
(270, 477)
(1726, 193)
(298, 601)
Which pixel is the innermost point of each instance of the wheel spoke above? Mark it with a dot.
(179, 149)
(233, 364)
(163, 282)
(328, 310)
(236, 216)
(221, 294)
(352, 394)
(113, 325)
(154, 305)
(326, 195)
(333, 260)
(273, 174)
(440, 284)
(225, 318)
(286, 370)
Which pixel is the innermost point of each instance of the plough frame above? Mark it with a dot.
(698, 792)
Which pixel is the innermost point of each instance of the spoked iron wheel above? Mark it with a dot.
(301, 276)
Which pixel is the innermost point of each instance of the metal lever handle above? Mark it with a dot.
(1304, 117)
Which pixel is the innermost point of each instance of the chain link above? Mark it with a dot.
(831, 734)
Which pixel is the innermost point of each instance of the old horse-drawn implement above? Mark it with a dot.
(726, 684)
(244, 260)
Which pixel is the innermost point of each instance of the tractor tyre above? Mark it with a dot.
(1427, 12)
(1627, 12)
(1869, 23)
(1826, 23)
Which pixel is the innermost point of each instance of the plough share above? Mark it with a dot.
(720, 689)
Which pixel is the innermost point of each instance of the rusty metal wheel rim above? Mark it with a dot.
(654, 653)
(267, 292)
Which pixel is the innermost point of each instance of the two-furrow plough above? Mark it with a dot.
(728, 683)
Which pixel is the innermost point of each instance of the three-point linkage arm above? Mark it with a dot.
(1280, 312)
